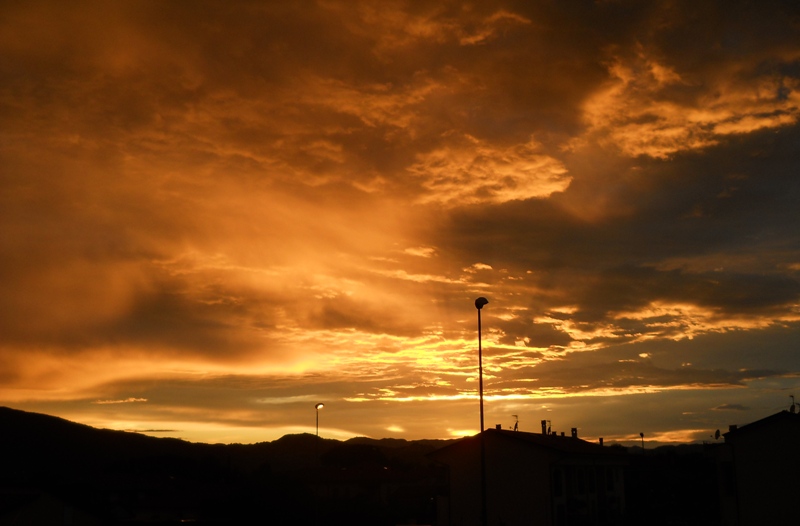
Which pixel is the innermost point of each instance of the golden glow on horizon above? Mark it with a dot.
(678, 436)
(459, 433)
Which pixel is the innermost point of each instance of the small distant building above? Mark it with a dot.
(533, 479)
(759, 467)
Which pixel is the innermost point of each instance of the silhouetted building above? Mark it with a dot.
(759, 467)
(673, 485)
(533, 479)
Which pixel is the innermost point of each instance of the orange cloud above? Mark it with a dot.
(471, 173)
(639, 114)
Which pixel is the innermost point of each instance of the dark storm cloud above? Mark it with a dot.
(516, 331)
(734, 350)
(343, 313)
(573, 377)
(711, 230)
(265, 84)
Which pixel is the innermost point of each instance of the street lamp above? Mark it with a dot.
(479, 303)
(318, 407)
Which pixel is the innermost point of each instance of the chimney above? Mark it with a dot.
(732, 427)
(498, 426)
(562, 433)
(601, 441)
(544, 427)
(574, 432)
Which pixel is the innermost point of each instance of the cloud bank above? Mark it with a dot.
(231, 212)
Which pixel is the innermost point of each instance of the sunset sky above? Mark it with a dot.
(214, 215)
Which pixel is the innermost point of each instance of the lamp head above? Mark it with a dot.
(480, 302)
(319, 406)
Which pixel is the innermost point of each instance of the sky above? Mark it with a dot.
(215, 215)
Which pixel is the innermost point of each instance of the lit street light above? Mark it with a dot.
(318, 407)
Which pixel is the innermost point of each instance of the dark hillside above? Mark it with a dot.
(119, 477)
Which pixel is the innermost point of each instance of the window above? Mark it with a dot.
(558, 483)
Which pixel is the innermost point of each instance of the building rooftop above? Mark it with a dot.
(564, 444)
(784, 418)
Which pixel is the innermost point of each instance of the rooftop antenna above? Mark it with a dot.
(516, 422)
(792, 409)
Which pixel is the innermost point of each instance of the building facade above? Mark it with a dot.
(759, 472)
(532, 479)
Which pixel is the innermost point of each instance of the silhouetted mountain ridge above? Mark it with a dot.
(129, 478)
(35, 444)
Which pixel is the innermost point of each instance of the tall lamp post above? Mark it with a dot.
(479, 303)
(318, 407)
